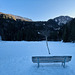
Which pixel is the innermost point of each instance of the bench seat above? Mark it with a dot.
(51, 59)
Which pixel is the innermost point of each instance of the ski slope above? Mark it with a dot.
(16, 58)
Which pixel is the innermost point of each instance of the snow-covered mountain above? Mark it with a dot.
(62, 19)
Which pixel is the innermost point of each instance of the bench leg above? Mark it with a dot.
(63, 63)
(38, 61)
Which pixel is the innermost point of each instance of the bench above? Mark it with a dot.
(51, 59)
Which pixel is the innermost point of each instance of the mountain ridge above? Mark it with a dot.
(63, 19)
(59, 19)
(12, 29)
(14, 17)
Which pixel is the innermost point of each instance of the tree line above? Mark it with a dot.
(17, 30)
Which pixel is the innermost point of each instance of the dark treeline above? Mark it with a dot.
(17, 30)
(69, 32)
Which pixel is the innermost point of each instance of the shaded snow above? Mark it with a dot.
(62, 19)
(15, 58)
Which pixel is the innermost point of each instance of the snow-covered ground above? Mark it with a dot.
(16, 58)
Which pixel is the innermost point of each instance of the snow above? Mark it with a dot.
(63, 19)
(16, 58)
(44, 24)
(38, 32)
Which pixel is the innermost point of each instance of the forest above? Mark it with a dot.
(12, 29)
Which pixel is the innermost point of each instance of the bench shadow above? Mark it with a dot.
(50, 69)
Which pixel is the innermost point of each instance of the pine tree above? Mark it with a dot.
(65, 34)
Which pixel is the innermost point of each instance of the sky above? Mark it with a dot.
(38, 10)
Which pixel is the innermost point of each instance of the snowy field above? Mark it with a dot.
(16, 58)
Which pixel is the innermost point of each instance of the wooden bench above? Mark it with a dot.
(51, 59)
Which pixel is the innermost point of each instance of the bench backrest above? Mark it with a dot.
(49, 59)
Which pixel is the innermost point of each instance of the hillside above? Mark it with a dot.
(17, 28)
(14, 17)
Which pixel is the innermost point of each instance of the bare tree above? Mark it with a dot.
(46, 33)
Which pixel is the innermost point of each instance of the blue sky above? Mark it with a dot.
(38, 10)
